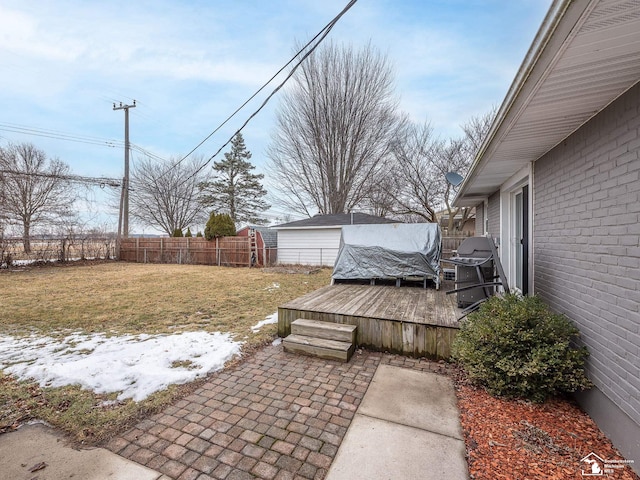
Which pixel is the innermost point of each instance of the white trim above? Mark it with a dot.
(485, 220)
(507, 190)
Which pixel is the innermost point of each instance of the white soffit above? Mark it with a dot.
(573, 79)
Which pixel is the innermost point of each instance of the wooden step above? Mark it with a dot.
(318, 347)
(327, 330)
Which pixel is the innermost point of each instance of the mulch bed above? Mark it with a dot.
(515, 439)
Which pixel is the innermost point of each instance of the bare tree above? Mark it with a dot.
(419, 188)
(459, 156)
(421, 162)
(333, 130)
(165, 195)
(36, 191)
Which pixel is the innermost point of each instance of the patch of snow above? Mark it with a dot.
(136, 366)
(272, 287)
(273, 318)
(276, 342)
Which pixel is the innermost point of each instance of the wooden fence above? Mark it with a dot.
(223, 251)
(451, 243)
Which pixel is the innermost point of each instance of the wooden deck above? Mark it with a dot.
(407, 320)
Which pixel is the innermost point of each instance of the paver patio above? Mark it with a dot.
(272, 416)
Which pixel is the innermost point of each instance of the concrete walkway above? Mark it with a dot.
(276, 416)
(37, 451)
(407, 427)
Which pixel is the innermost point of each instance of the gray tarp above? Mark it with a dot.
(389, 251)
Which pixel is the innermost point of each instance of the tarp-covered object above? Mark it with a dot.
(389, 251)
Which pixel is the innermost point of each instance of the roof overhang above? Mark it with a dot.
(585, 55)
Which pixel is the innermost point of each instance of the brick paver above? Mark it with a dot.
(273, 416)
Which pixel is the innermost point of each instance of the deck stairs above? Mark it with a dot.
(332, 341)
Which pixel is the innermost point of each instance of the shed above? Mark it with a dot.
(266, 244)
(316, 240)
(389, 252)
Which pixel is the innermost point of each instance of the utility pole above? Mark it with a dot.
(123, 222)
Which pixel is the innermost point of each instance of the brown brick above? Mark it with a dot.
(264, 471)
(251, 437)
(174, 451)
(221, 471)
(301, 453)
(205, 464)
(189, 474)
(143, 456)
(289, 463)
(308, 471)
(312, 444)
(252, 450)
(172, 468)
(230, 458)
(199, 445)
(283, 447)
(319, 460)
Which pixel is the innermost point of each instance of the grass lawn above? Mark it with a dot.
(127, 298)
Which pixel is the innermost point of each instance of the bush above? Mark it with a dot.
(177, 232)
(188, 234)
(219, 225)
(516, 347)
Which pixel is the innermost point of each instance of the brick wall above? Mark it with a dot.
(587, 250)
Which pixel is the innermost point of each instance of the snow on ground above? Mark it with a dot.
(273, 318)
(136, 366)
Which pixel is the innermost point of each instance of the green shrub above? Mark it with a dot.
(516, 347)
(188, 233)
(219, 225)
(177, 232)
(199, 235)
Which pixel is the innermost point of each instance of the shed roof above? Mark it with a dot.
(335, 220)
(585, 55)
(269, 236)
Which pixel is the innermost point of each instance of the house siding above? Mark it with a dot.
(493, 213)
(318, 246)
(479, 231)
(587, 257)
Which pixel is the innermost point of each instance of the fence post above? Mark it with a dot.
(217, 252)
(160, 260)
(137, 249)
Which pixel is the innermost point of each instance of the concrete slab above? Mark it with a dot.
(416, 399)
(380, 450)
(32, 445)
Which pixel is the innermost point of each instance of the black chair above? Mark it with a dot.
(481, 256)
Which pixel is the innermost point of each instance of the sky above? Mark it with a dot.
(133, 366)
(190, 64)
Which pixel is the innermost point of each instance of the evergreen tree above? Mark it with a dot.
(235, 190)
(177, 232)
(188, 234)
(219, 225)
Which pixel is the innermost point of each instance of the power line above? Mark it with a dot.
(320, 36)
(101, 181)
(40, 132)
